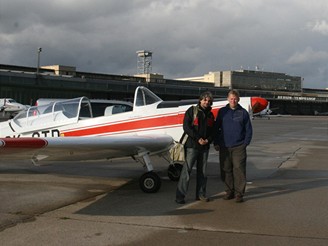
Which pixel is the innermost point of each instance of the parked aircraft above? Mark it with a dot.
(67, 130)
(265, 113)
(320, 113)
(9, 108)
(10, 105)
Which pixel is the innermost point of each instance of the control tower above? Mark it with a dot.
(144, 61)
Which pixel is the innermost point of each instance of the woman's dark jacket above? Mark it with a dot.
(200, 127)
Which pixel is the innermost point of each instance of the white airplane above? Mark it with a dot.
(10, 105)
(67, 130)
(9, 108)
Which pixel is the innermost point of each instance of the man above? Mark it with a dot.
(198, 126)
(233, 134)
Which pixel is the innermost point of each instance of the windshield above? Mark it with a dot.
(144, 97)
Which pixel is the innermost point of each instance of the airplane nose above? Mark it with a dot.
(258, 104)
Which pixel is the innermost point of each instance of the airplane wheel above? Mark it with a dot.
(150, 182)
(174, 171)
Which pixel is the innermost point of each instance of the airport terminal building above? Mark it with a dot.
(285, 92)
(252, 80)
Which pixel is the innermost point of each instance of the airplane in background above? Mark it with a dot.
(265, 113)
(68, 130)
(10, 105)
(9, 108)
(320, 113)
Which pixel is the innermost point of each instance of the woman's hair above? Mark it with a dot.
(206, 94)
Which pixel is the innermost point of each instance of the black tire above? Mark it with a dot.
(150, 182)
(174, 171)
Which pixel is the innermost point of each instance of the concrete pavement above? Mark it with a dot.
(100, 204)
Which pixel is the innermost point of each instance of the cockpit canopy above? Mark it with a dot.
(144, 96)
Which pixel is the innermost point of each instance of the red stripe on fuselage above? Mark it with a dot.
(137, 124)
(161, 121)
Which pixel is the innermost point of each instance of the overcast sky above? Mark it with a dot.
(187, 37)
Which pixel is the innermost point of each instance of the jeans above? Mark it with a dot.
(193, 156)
(233, 165)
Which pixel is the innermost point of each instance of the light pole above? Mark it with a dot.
(38, 66)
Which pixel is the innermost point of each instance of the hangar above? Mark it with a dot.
(285, 92)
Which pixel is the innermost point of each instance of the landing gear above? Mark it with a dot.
(174, 171)
(150, 182)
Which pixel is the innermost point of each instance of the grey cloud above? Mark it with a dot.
(308, 56)
(320, 26)
(188, 37)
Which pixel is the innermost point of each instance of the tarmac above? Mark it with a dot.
(100, 202)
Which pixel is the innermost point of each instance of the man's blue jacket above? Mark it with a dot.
(232, 127)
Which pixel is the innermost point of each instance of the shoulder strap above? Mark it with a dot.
(195, 110)
(184, 136)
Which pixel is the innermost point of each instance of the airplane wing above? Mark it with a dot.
(82, 148)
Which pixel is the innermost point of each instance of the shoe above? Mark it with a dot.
(239, 198)
(229, 196)
(180, 201)
(203, 199)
